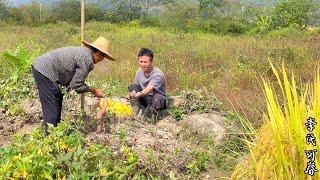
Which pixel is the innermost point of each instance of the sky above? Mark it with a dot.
(21, 2)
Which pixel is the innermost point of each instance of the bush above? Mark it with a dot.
(66, 10)
(199, 100)
(150, 20)
(94, 13)
(285, 33)
(4, 12)
(225, 26)
(181, 16)
(122, 12)
(294, 13)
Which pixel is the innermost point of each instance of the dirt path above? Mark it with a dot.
(24, 123)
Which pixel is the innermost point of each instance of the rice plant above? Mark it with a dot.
(280, 147)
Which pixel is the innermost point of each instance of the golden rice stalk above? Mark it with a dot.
(279, 149)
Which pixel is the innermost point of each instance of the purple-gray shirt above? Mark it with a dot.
(156, 79)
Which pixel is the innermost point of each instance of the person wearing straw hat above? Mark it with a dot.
(68, 67)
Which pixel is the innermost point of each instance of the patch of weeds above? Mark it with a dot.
(123, 136)
(228, 153)
(218, 156)
(14, 109)
(208, 141)
(291, 55)
(14, 90)
(199, 163)
(177, 151)
(176, 113)
(200, 101)
(20, 83)
(150, 155)
(64, 154)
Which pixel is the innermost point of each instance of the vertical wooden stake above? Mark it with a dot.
(83, 20)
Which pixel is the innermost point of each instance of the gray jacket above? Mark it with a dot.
(68, 66)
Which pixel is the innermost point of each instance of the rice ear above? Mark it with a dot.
(278, 151)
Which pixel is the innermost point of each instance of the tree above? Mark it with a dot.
(4, 12)
(183, 15)
(124, 11)
(208, 7)
(205, 4)
(295, 13)
(94, 13)
(31, 13)
(16, 15)
(67, 10)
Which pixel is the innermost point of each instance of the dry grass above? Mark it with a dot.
(231, 67)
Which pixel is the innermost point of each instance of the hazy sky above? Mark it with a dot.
(20, 2)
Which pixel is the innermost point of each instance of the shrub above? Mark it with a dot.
(294, 13)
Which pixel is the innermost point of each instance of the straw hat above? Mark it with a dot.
(103, 45)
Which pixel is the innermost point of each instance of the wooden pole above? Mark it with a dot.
(40, 12)
(83, 21)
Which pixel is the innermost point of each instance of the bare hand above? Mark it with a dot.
(132, 94)
(100, 114)
(100, 121)
(126, 98)
(99, 93)
(137, 94)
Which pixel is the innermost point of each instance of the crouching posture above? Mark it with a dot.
(148, 92)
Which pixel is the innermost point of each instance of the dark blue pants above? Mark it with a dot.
(157, 101)
(51, 99)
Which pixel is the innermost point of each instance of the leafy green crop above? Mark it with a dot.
(20, 83)
(20, 58)
(176, 113)
(65, 154)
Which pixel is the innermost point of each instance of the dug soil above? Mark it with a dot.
(165, 147)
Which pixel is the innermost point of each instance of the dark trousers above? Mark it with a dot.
(50, 98)
(157, 101)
